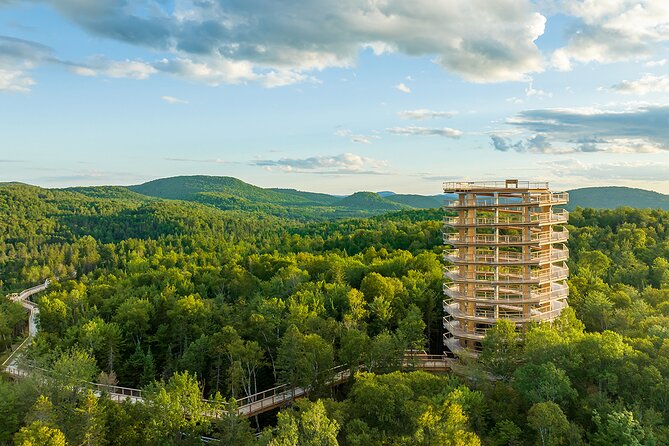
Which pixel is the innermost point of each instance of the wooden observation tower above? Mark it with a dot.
(505, 258)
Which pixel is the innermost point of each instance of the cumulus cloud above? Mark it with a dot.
(648, 83)
(15, 80)
(403, 88)
(479, 40)
(425, 131)
(212, 72)
(346, 163)
(610, 31)
(17, 58)
(634, 130)
(423, 113)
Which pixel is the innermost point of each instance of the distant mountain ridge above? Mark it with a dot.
(370, 200)
(418, 201)
(611, 197)
(228, 193)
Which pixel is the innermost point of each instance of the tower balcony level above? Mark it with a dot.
(535, 219)
(547, 199)
(539, 238)
(490, 257)
(536, 276)
(488, 295)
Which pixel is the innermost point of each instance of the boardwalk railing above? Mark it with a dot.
(283, 394)
(22, 298)
(262, 401)
(247, 406)
(14, 354)
(428, 363)
(118, 393)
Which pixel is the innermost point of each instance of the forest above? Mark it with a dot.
(187, 301)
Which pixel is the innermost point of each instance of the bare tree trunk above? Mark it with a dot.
(271, 357)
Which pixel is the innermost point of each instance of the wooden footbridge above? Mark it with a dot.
(247, 407)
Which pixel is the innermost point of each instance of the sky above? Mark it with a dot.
(335, 96)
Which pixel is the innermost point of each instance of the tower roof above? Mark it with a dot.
(510, 185)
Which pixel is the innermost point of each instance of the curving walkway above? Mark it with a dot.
(247, 407)
(11, 363)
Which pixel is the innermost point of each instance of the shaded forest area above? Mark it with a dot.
(187, 301)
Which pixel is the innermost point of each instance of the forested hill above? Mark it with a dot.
(370, 200)
(613, 196)
(227, 193)
(193, 188)
(185, 300)
(232, 193)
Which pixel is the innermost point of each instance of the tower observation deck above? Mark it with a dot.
(505, 258)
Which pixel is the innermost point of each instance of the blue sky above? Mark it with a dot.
(335, 96)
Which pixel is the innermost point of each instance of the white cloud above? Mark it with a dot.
(423, 113)
(478, 40)
(648, 83)
(118, 69)
(425, 131)
(282, 78)
(213, 73)
(627, 130)
(284, 42)
(15, 80)
(206, 70)
(612, 30)
(84, 71)
(132, 69)
(656, 63)
(560, 60)
(531, 91)
(346, 163)
(361, 139)
(403, 88)
(356, 138)
(630, 171)
(173, 100)
(17, 58)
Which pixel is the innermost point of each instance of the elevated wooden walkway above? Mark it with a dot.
(247, 407)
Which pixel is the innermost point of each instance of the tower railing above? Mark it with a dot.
(492, 239)
(507, 257)
(535, 276)
(561, 216)
(476, 185)
(554, 198)
(556, 293)
(511, 314)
